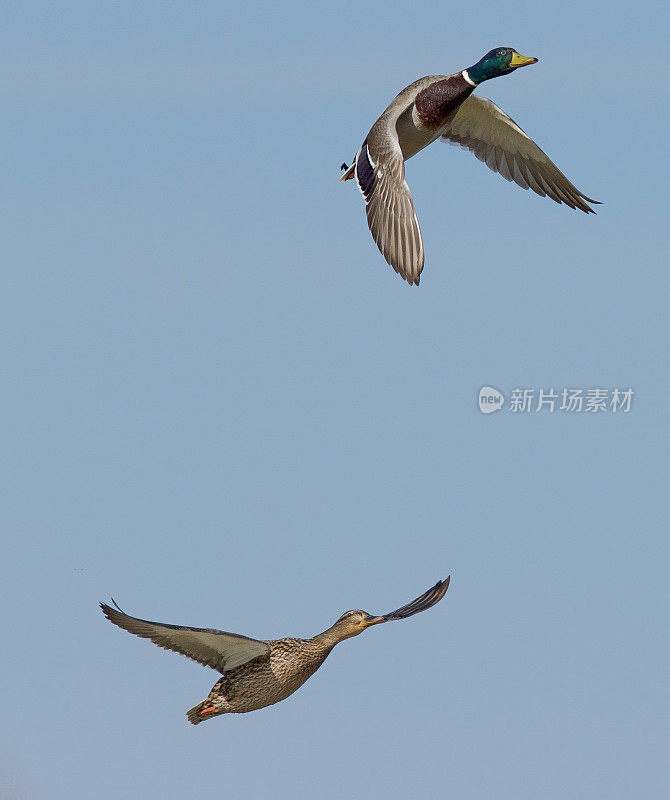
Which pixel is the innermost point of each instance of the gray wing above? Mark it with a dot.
(427, 599)
(484, 129)
(380, 174)
(216, 649)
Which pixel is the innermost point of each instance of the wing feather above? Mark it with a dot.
(219, 650)
(425, 601)
(494, 138)
(392, 220)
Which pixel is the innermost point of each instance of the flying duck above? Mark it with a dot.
(443, 106)
(257, 673)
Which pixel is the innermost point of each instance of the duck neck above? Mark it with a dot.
(330, 637)
(466, 77)
(483, 70)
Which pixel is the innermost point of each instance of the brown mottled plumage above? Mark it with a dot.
(259, 673)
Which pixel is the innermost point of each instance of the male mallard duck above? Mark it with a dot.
(442, 106)
(258, 673)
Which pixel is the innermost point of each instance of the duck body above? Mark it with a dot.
(255, 672)
(265, 680)
(429, 104)
(441, 106)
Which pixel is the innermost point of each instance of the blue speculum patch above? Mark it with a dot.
(364, 172)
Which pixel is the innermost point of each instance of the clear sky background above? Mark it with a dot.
(222, 408)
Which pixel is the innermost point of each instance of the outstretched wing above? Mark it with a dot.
(484, 129)
(216, 649)
(427, 599)
(380, 174)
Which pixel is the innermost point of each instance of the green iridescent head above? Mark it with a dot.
(500, 61)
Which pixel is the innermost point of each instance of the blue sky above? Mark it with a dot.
(222, 408)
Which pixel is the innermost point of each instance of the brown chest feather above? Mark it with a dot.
(437, 102)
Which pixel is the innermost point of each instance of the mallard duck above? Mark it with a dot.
(443, 106)
(259, 673)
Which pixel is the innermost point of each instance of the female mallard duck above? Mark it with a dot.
(442, 106)
(259, 673)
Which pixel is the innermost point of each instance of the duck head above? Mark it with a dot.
(351, 623)
(500, 61)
